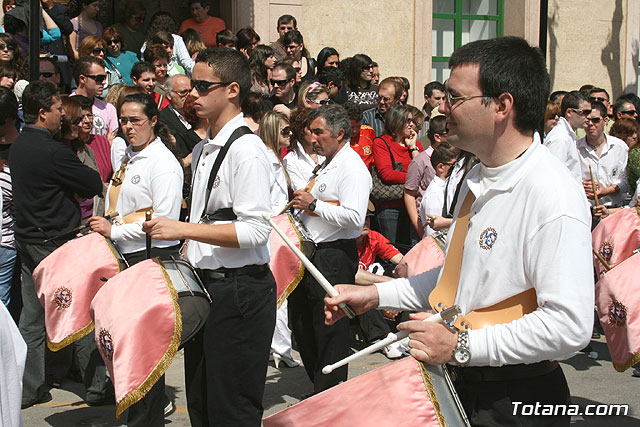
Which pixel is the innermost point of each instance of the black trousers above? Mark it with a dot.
(148, 411)
(490, 403)
(373, 325)
(226, 362)
(318, 343)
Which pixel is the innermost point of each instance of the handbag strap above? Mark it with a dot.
(393, 161)
(241, 131)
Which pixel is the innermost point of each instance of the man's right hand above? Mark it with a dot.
(360, 298)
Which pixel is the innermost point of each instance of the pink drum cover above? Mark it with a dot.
(138, 328)
(616, 237)
(67, 280)
(426, 255)
(286, 267)
(398, 394)
(618, 301)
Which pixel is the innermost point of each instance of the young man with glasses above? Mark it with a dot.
(227, 241)
(91, 77)
(389, 93)
(607, 157)
(286, 23)
(561, 141)
(285, 97)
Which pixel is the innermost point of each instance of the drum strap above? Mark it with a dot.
(444, 294)
(114, 193)
(241, 131)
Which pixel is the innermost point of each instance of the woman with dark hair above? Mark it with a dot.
(150, 178)
(253, 108)
(84, 22)
(392, 154)
(327, 57)
(551, 117)
(294, 46)
(10, 52)
(248, 39)
(301, 159)
(98, 143)
(261, 60)
(163, 21)
(119, 60)
(358, 88)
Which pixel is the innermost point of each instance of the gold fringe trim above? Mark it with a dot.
(164, 363)
(621, 367)
(426, 379)
(296, 280)
(56, 346)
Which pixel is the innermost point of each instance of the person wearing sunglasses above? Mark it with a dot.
(151, 178)
(313, 95)
(10, 51)
(294, 46)
(551, 117)
(85, 24)
(49, 71)
(227, 240)
(358, 88)
(132, 28)
(91, 76)
(561, 140)
(284, 98)
(119, 60)
(606, 155)
(624, 108)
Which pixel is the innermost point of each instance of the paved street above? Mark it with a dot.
(591, 382)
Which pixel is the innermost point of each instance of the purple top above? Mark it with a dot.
(83, 33)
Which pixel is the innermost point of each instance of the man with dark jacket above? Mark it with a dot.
(47, 179)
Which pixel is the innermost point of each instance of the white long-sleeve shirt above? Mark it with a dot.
(346, 180)
(529, 227)
(242, 183)
(153, 178)
(561, 141)
(300, 167)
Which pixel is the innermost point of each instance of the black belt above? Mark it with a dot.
(224, 214)
(256, 271)
(336, 244)
(502, 373)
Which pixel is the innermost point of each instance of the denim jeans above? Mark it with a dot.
(7, 267)
(388, 221)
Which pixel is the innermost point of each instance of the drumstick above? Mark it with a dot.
(593, 185)
(330, 290)
(80, 228)
(441, 317)
(148, 238)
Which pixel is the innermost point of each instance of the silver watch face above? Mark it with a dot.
(462, 356)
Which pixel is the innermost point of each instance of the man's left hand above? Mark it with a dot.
(430, 342)
(302, 199)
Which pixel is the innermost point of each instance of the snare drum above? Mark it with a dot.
(193, 298)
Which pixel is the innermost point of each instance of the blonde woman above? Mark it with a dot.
(313, 95)
(275, 133)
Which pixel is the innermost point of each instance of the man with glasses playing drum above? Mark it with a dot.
(227, 237)
(518, 262)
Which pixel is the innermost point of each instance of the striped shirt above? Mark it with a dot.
(8, 239)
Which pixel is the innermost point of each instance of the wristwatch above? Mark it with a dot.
(413, 149)
(312, 205)
(461, 353)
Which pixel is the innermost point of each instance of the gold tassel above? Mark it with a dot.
(164, 363)
(426, 378)
(56, 346)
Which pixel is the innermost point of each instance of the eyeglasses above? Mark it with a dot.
(321, 101)
(594, 120)
(292, 46)
(77, 121)
(552, 116)
(161, 65)
(182, 93)
(87, 116)
(367, 67)
(598, 99)
(385, 98)
(114, 41)
(99, 78)
(7, 47)
(582, 113)
(629, 112)
(46, 74)
(449, 164)
(410, 121)
(286, 131)
(279, 82)
(203, 85)
(97, 50)
(135, 121)
(451, 100)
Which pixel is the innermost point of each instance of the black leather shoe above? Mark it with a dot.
(46, 397)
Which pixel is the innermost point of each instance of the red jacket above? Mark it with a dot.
(382, 160)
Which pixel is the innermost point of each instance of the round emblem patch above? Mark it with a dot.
(606, 251)
(216, 182)
(135, 179)
(106, 343)
(366, 150)
(63, 297)
(617, 314)
(614, 172)
(322, 187)
(99, 125)
(488, 238)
